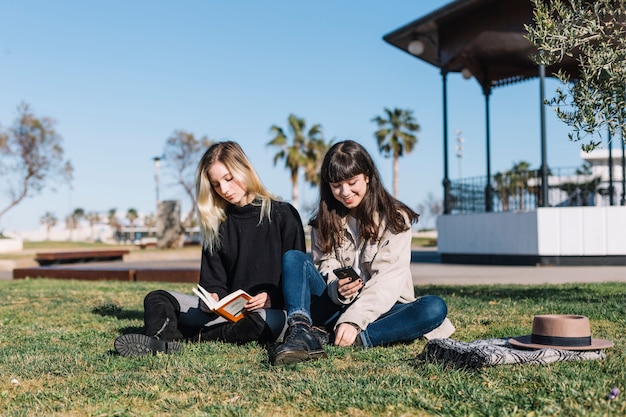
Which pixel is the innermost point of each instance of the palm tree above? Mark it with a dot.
(306, 151)
(503, 188)
(114, 224)
(72, 221)
(395, 137)
(49, 220)
(519, 181)
(132, 216)
(93, 218)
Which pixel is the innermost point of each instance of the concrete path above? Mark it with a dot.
(426, 270)
(440, 274)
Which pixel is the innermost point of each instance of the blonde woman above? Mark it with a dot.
(246, 230)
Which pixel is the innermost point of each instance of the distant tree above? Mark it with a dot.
(49, 220)
(149, 221)
(181, 157)
(306, 151)
(503, 188)
(315, 151)
(581, 192)
(93, 218)
(32, 156)
(112, 218)
(395, 137)
(519, 181)
(511, 186)
(72, 221)
(594, 34)
(114, 223)
(429, 210)
(132, 215)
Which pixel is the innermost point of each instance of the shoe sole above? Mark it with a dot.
(289, 358)
(140, 345)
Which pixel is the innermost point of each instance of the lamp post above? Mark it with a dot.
(459, 150)
(157, 166)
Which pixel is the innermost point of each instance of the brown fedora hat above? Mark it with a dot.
(560, 331)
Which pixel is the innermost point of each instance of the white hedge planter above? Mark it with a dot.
(567, 235)
(11, 245)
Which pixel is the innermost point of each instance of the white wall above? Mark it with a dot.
(11, 245)
(566, 231)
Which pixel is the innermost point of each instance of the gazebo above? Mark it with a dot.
(485, 39)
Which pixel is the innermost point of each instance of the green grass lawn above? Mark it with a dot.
(57, 358)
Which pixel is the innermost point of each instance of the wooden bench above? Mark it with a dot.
(191, 275)
(54, 258)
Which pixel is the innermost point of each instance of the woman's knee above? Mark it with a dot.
(294, 256)
(433, 305)
(157, 295)
(294, 260)
(438, 307)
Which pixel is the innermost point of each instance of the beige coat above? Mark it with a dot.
(385, 269)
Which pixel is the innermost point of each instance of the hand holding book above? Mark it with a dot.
(231, 307)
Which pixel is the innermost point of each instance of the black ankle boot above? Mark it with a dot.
(135, 344)
(300, 344)
(160, 317)
(250, 328)
(161, 310)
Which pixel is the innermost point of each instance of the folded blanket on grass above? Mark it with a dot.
(490, 352)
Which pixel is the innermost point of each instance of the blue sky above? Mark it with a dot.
(120, 76)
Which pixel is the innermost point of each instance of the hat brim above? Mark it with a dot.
(524, 342)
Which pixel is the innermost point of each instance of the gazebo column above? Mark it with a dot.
(488, 188)
(623, 199)
(543, 201)
(447, 201)
(611, 188)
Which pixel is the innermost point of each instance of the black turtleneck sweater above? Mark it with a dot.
(250, 257)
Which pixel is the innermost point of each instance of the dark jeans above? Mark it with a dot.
(305, 293)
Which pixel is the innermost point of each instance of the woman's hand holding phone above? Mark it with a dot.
(349, 283)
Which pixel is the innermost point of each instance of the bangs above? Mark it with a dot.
(341, 168)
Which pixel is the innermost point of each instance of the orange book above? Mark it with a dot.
(230, 307)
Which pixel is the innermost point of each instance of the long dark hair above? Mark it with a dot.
(345, 160)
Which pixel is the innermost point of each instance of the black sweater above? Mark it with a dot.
(250, 257)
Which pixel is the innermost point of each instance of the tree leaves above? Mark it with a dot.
(594, 34)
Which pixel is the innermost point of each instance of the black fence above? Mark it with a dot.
(521, 191)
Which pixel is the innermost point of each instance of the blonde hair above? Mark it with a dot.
(211, 208)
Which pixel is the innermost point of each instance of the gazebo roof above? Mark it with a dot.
(486, 37)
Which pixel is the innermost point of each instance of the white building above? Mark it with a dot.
(599, 164)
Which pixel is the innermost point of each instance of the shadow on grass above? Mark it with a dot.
(131, 329)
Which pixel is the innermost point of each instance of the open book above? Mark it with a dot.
(230, 307)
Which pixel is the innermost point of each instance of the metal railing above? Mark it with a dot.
(521, 191)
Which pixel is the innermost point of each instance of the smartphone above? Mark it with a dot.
(346, 272)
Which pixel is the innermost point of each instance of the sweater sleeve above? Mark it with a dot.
(213, 277)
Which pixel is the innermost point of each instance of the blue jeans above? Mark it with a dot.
(304, 290)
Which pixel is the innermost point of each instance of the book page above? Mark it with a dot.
(230, 307)
(234, 307)
(205, 296)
